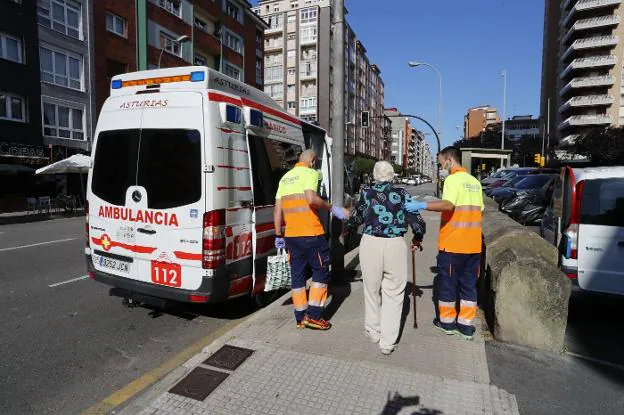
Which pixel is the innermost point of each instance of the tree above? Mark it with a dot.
(603, 147)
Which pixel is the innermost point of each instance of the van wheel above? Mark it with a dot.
(263, 299)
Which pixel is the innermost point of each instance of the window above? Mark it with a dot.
(12, 107)
(167, 163)
(199, 60)
(234, 11)
(233, 42)
(292, 36)
(61, 15)
(63, 122)
(292, 18)
(292, 105)
(200, 24)
(291, 88)
(172, 6)
(308, 69)
(308, 103)
(308, 15)
(276, 8)
(232, 71)
(602, 202)
(114, 68)
(10, 48)
(294, 4)
(259, 70)
(170, 45)
(291, 54)
(279, 157)
(115, 24)
(292, 71)
(61, 68)
(275, 91)
(274, 73)
(276, 21)
(308, 34)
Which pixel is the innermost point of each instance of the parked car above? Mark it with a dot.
(585, 220)
(411, 182)
(531, 190)
(404, 180)
(503, 181)
(506, 190)
(494, 177)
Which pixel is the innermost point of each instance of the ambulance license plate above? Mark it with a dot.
(165, 273)
(114, 264)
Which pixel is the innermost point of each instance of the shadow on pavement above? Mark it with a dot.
(396, 403)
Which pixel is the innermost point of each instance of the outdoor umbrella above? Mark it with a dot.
(78, 163)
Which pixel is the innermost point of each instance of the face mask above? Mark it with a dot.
(448, 164)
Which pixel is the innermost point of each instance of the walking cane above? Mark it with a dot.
(414, 289)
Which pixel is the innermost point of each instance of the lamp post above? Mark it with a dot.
(504, 75)
(182, 39)
(417, 64)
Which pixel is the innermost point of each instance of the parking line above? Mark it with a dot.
(13, 248)
(84, 277)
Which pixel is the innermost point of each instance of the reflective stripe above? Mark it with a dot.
(466, 303)
(294, 196)
(465, 225)
(467, 312)
(468, 208)
(464, 322)
(300, 209)
(318, 294)
(300, 302)
(448, 312)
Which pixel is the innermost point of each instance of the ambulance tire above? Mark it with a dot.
(263, 299)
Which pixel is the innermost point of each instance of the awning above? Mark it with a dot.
(78, 163)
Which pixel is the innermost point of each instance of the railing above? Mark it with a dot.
(590, 62)
(592, 42)
(586, 5)
(587, 101)
(592, 23)
(586, 120)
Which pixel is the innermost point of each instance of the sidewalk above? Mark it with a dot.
(9, 218)
(339, 371)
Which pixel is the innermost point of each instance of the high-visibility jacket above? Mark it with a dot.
(301, 219)
(460, 229)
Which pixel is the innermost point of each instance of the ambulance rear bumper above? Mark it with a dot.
(214, 288)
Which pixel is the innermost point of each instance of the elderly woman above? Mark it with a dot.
(384, 253)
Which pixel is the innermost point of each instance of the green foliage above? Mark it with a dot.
(603, 146)
(397, 168)
(363, 165)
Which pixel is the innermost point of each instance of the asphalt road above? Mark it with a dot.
(69, 346)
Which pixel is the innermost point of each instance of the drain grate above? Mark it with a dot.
(199, 383)
(228, 357)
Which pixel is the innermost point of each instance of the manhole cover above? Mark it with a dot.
(199, 383)
(228, 357)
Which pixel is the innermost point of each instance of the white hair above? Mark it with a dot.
(383, 171)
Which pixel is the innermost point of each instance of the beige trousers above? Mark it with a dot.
(384, 272)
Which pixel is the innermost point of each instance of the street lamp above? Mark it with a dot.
(504, 75)
(182, 39)
(417, 64)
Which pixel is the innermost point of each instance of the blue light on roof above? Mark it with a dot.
(198, 76)
(116, 84)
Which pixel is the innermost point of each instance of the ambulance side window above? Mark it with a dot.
(270, 160)
(115, 165)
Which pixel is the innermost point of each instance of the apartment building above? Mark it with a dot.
(591, 45)
(408, 147)
(297, 63)
(477, 119)
(398, 128)
(550, 73)
(135, 35)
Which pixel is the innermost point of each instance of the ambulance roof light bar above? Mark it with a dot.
(195, 76)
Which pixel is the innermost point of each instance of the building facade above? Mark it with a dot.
(477, 119)
(407, 144)
(297, 65)
(135, 35)
(398, 128)
(550, 73)
(589, 62)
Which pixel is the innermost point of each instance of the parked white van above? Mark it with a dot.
(185, 167)
(586, 222)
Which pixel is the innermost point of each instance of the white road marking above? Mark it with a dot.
(84, 277)
(598, 361)
(13, 248)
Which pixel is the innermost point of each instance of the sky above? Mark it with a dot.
(471, 43)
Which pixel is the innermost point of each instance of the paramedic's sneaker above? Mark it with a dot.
(319, 324)
(447, 331)
(300, 325)
(465, 332)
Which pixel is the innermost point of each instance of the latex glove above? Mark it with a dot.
(339, 212)
(415, 206)
(279, 242)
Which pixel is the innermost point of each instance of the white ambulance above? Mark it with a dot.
(185, 167)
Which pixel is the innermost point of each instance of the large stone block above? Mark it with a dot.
(524, 294)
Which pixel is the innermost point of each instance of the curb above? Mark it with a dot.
(159, 380)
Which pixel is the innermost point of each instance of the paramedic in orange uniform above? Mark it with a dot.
(459, 256)
(305, 239)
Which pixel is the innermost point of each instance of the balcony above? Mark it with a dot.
(587, 5)
(583, 120)
(273, 30)
(273, 46)
(569, 140)
(588, 82)
(590, 43)
(589, 62)
(587, 101)
(593, 23)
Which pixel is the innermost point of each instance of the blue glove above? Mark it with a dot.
(279, 242)
(414, 206)
(338, 212)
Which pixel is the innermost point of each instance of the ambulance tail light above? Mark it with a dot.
(86, 211)
(213, 255)
(571, 233)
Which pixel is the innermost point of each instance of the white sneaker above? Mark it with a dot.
(373, 338)
(387, 351)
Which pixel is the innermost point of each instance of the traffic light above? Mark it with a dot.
(537, 159)
(483, 167)
(365, 119)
